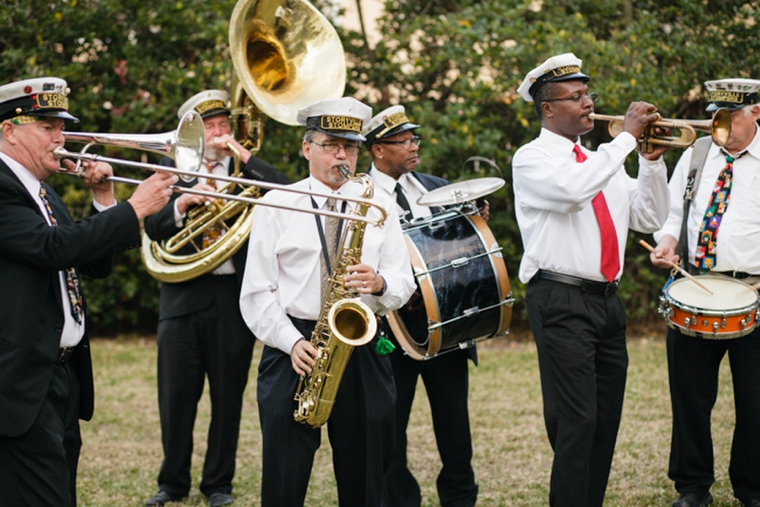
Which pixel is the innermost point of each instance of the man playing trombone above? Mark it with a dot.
(200, 331)
(45, 368)
(281, 302)
(574, 208)
(725, 197)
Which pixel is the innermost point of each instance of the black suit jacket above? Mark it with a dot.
(185, 298)
(431, 182)
(31, 314)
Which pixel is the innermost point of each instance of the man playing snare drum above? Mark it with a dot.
(393, 147)
(693, 362)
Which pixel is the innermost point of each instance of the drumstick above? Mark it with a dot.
(673, 264)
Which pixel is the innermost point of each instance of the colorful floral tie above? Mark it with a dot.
(707, 241)
(72, 281)
(609, 263)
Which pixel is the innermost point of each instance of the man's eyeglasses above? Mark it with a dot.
(593, 97)
(416, 140)
(334, 149)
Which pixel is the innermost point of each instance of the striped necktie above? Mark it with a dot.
(610, 261)
(72, 280)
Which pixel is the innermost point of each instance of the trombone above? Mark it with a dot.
(719, 127)
(174, 146)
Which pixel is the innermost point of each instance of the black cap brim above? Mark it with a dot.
(48, 113)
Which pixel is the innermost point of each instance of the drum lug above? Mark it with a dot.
(462, 261)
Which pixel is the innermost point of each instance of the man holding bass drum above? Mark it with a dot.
(394, 149)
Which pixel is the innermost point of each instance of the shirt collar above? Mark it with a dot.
(29, 181)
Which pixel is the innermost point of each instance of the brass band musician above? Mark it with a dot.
(574, 208)
(201, 333)
(280, 302)
(721, 235)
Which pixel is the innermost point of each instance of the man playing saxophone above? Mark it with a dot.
(286, 270)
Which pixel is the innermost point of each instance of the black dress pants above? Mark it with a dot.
(213, 343)
(583, 361)
(446, 380)
(39, 468)
(360, 429)
(693, 367)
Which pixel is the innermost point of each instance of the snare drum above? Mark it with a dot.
(730, 312)
(463, 294)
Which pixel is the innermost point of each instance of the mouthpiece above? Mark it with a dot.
(345, 171)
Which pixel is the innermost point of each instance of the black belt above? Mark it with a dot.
(64, 354)
(605, 288)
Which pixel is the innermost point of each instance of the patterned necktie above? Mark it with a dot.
(707, 241)
(72, 281)
(610, 261)
(331, 241)
(401, 200)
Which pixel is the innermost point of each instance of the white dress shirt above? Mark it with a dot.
(553, 196)
(282, 275)
(413, 190)
(738, 246)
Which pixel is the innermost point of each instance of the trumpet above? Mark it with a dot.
(719, 127)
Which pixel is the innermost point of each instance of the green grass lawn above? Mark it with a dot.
(122, 444)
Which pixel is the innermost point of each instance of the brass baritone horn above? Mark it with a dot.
(719, 127)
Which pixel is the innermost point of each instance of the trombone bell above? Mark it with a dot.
(185, 145)
(719, 127)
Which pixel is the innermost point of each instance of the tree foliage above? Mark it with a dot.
(455, 65)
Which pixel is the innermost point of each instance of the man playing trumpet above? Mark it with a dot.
(574, 208)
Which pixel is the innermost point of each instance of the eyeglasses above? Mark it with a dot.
(334, 149)
(416, 140)
(593, 97)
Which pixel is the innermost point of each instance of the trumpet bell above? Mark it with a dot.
(286, 55)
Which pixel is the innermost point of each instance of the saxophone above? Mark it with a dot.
(344, 323)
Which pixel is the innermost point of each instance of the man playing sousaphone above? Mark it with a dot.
(201, 333)
(727, 198)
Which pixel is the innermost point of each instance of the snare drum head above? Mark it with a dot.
(727, 293)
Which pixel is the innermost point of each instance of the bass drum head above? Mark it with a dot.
(463, 293)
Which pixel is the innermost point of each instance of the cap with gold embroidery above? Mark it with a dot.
(731, 93)
(557, 68)
(342, 117)
(42, 97)
(206, 103)
(388, 122)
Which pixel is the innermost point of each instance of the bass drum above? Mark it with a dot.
(463, 293)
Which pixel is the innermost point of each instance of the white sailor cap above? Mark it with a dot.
(206, 103)
(388, 122)
(731, 93)
(342, 117)
(42, 97)
(557, 68)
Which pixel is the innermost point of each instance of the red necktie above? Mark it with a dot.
(610, 261)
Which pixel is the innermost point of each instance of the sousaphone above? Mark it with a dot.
(286, 56)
